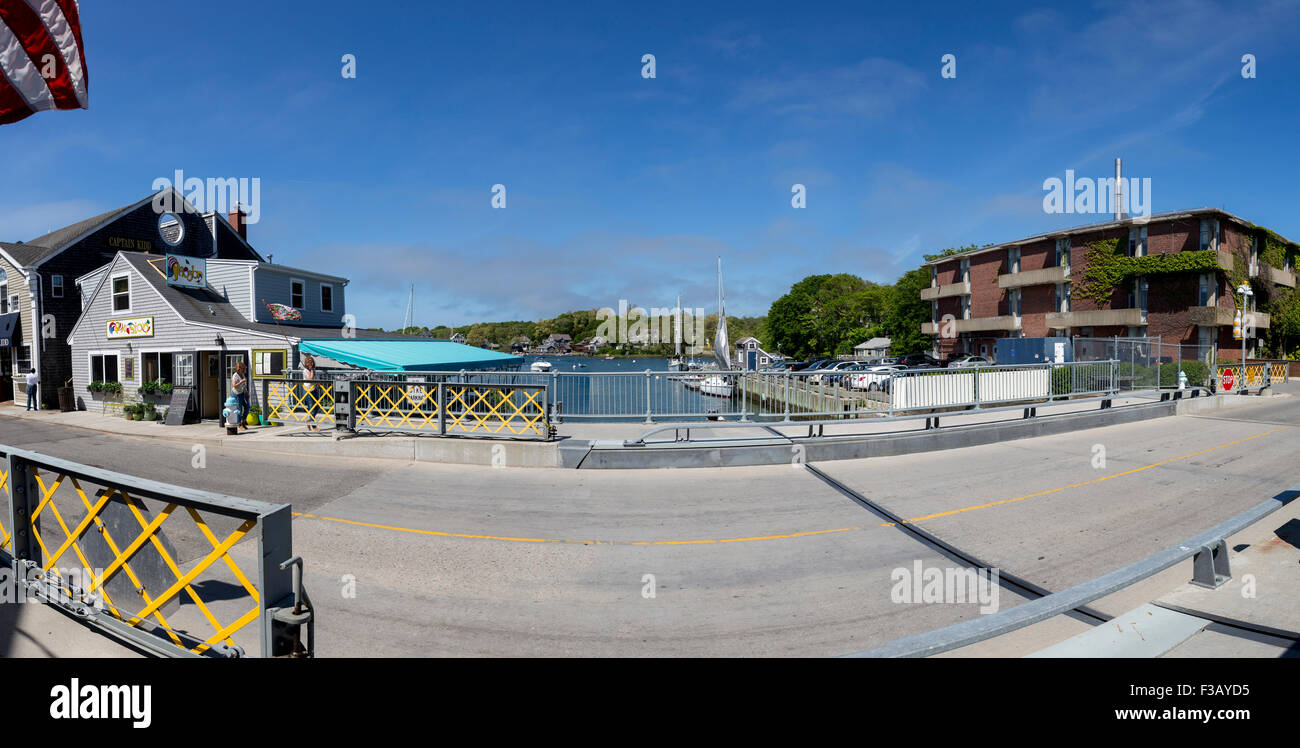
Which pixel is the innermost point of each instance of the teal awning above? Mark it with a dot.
(409, 355)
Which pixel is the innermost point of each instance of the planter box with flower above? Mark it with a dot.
(104, 390)
(156, 391)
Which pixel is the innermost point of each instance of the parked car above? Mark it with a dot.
(841, 374)
(821, 376)
(969, 361)
(919, 360)
(873, 377)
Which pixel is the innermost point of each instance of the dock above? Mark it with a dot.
(772, 394)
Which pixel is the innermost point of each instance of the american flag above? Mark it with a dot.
(42, 62)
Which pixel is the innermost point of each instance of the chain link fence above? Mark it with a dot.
(1146, 363)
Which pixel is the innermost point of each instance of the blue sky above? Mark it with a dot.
(620, 187)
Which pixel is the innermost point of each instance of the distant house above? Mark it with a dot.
(458, 338)
(750, 354)
(521, 344)
(557, 343)
(491, 346)
(593, 345)
(872, 348)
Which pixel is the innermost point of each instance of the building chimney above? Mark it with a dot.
(236, 218)
(1119, 192)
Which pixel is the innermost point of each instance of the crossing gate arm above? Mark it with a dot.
(61, 513)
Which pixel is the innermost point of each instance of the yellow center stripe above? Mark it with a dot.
(784, 536)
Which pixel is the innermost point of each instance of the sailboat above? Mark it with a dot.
(676, 363)
(720, 384)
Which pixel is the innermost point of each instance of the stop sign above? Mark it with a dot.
(1227, 380)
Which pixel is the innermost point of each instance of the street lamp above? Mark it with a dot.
(1245, 292)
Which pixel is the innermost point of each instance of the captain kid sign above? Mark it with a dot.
(188, 272)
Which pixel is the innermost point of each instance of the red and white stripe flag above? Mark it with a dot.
(42, 63)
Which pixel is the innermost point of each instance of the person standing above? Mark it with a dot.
(33, 382)
(308, 374)
(239, 385)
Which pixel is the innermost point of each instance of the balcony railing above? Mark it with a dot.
(1040, 277)
(1097, 318)
(942, 292)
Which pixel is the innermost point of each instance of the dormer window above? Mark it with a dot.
(297, 290)
(326, 297)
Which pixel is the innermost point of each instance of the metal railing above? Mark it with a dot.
(651, 396)
(115, 551)
(1234, 377)
(442, 408)
(290, 400)
(1210, 568)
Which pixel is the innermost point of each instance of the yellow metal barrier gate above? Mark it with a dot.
(123, 554)
(298, 401)
(1235, 377)
(443, 408)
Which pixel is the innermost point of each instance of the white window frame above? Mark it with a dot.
(301, 294)
(112, 293)
(146, 351)
(56, 286)
(323, 308)
(90, 364)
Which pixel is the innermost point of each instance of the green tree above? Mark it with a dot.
(905, 312)
(822, 314)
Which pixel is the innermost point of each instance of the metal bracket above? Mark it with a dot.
(285, 624)
(1210, 565)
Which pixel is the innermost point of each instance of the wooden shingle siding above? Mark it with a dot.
(272, 284)
(171, 333)
(231, 280)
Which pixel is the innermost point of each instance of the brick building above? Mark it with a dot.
(1117, 278)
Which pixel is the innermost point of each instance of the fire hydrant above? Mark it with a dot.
(230, 414)
(1182, 379)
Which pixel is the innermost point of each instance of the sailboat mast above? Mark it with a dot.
(677, 328)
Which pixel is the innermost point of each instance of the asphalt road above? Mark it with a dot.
(423, 559)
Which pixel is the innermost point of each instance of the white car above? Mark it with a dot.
(820, 376)
(966, 362)
(874, 378)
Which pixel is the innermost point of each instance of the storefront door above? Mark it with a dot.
(183, 368)
(209, 388)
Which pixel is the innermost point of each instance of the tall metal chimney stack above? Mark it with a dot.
(1119, 192)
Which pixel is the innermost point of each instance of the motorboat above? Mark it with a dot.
(540, 367)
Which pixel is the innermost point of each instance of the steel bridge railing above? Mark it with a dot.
(176, 571)
(1210, 568)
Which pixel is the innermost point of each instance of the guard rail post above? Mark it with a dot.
(648, 419)
(24, 497)
(787, 396)
(442, 407)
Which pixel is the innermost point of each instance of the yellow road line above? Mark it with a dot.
(785, 536)
(472, 536)
(1084, 483)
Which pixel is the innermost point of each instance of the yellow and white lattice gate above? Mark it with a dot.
(178, 571)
